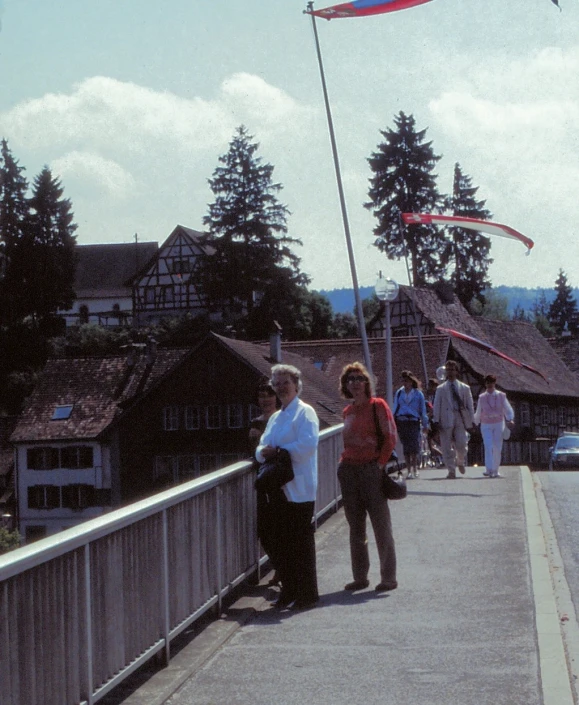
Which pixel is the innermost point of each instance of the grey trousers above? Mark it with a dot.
(362, 496)
(454, 442)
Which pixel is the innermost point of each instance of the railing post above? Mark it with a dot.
(218, 547)
(166, 609)
(88, 618)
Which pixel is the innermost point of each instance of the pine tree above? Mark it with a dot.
(48, 248)
(467, 251)
(253, 266)
(563, 311)
(13, 219)
(404, 181)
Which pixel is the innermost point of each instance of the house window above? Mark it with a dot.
(545, 415)
(207, 463)
(43, 497)
(42, 458)
(192, 418)
(171, 418)
(254, 411)
(35, 533)
(76, 457)
(78, 496)
(83, 314)
(525, 414)
(180, 266)
(234, 416)
(166, 469)
(213, 416)
(61, 412)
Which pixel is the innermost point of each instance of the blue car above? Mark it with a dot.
(564, 455)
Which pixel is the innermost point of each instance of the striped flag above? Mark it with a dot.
(362, 8)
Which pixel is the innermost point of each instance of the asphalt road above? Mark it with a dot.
(561, 491)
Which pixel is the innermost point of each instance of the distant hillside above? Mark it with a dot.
(342, 300)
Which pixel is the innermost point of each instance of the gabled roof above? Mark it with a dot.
(318, 390)
(99, 390)
(333, 355)
(193, 237)
(102, 389)
(102, 268)
(523, 342)
(517, 339)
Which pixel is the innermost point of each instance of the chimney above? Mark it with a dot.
(275, 343)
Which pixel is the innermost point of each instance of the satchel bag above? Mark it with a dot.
(275, 473)
(392, 487)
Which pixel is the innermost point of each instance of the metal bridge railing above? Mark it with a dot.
(82, 609)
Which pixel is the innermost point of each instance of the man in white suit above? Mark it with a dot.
(454, 414)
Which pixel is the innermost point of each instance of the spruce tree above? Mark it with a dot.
(403, 182)
(13, 220)
(253, 271)
(563, 310)
(467, 252)
(49, 266)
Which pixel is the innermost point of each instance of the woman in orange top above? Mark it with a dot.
(360, 474)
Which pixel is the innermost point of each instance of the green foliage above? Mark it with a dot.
(467, 252)
(563, 313)
(494, 307)
(14, 213)
(9, 540)
(519, 314)
(404, 181)
(253, 272)
(345, 325)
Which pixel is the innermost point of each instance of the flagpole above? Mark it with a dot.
(359, 310)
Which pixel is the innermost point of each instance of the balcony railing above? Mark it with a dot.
(81, 610)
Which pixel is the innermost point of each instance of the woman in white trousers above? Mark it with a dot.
(493, 412)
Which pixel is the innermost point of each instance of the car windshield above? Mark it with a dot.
(568, 442)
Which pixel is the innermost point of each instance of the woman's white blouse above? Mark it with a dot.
(295, 428)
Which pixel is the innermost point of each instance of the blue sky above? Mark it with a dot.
(131, 104)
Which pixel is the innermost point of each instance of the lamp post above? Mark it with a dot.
(387, 291)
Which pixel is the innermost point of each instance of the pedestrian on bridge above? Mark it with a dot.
(369, 439)
(496, 418)
(295, 427)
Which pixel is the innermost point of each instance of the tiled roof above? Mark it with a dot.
(318, 390)
(334, 355)
(107, 267)
(568, 350)
(98, 388)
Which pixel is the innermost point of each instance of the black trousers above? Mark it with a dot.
(297, 555)
(269, 507)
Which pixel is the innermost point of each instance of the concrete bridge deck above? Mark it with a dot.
(473, 622)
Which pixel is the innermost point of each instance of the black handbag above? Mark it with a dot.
(275, 473)
(392, 487)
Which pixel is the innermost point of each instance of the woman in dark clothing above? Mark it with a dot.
(267, 505)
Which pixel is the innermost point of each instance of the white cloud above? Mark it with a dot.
(95, 171)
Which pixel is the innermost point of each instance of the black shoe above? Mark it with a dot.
(282, 602)
(300, 605)
(357, 585)
(385, 587)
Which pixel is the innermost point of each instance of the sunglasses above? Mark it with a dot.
(358, 378)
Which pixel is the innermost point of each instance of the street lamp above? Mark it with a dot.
(387, 290)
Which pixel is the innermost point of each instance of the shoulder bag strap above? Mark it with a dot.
(379, 434)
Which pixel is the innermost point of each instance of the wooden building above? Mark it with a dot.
(98, 433)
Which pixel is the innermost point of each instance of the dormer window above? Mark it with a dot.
(62, 412)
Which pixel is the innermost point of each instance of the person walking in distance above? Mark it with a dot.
(492, 411)
(453, 414)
